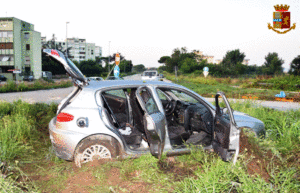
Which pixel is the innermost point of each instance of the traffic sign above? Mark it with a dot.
(117, 60)
(205, 69)
(117, 71)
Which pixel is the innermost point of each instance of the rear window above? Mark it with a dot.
(149, 73)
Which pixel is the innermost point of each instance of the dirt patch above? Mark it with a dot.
(115, 180)
(77, 182)
(258, 164)
(172, 167)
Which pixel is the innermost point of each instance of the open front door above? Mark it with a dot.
(154, 121)
(226, 134)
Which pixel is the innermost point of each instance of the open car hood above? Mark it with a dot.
(70, 67)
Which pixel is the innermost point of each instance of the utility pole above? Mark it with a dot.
(124, 66)
(108, 56)
(67, 38)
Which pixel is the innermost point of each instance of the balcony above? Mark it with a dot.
(6, 63)
(6, 51)
(7, 39)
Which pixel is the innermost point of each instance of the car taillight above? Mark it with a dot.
(64, 117)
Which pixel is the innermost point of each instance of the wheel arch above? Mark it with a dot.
(113, 141)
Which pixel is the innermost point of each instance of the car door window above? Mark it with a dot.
(161, 95)
(184, 97)
(149, 101)
(118, 93)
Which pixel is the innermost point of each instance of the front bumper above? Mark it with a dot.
(64, 142)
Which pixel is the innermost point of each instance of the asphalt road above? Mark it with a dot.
(56, 95)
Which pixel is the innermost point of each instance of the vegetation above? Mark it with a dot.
(231, 65)
(273, 65)
(240, 87)
(265, 165)
(295, 66)
(138, 68)
(12, 86)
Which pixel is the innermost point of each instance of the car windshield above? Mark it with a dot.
(149, 73)
(187, 98)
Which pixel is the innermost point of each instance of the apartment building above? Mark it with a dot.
(245, 61)
(210, 59)
(20, 49)
(79, 49)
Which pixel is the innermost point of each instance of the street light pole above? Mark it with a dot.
(67, 38)
(108, 56)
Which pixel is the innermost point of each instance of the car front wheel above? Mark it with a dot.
(95, 148)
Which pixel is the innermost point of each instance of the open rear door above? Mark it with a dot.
(154, 121)
(226, 134)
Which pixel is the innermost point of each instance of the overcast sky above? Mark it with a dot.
(143, 31)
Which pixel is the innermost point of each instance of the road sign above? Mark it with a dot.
(117, 71)
(117, 60)
(205, 69)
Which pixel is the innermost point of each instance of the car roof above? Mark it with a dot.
(93, 86)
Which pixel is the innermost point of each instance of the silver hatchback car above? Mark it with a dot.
(109, 119)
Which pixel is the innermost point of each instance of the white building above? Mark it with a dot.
(210, 59)
(80, 49)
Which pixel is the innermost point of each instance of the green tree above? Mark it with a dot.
(90, 68)
(295, 66)
(188, 65)
(273, 64)
(177, 58)
(125, 66)
(139, 68)
(232, 58)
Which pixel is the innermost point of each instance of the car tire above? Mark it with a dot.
(96, 147)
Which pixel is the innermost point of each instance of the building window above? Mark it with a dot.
(4, 34)
(26, 36)
(6, 46)
(27, 60)
(4, 58)
(10, 34)
(27, 46)
(5, 69)
(92, 52)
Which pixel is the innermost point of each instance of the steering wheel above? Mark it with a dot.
(170, 107)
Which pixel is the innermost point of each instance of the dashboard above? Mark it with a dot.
(194, 117)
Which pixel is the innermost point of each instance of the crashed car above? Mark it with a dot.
(113, 78)
(95, 78)
(151, 75)
(109, 119)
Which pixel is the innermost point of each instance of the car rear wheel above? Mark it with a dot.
(95, 148)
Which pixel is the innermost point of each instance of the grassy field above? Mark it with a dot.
(41, 84)
(239, 87)
(28, 163)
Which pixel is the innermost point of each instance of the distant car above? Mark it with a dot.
(28, 78)
(151, 75)
(114, 78)
(2, 78)
(123, 118)
(95, 78)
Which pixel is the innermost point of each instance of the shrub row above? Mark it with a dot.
(11, 86)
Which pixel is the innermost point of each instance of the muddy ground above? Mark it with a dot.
(82, 179)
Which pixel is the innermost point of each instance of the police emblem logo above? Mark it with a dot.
(281, 19)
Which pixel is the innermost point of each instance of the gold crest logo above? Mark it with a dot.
(281, 19)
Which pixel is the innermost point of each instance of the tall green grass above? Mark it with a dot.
(282, 127)
(11, 86)
(20, 124)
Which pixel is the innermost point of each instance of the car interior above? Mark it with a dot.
(188, 121)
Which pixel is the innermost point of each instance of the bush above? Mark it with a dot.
(21, 125)
(11, 86)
